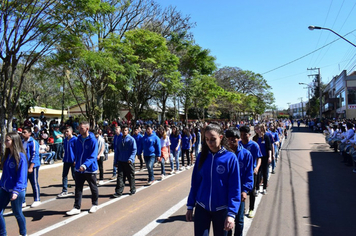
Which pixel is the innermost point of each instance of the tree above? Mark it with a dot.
(29, 29)
(153, 66)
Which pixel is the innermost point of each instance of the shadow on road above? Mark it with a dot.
(332, 196)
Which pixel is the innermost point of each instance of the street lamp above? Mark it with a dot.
(312, 27)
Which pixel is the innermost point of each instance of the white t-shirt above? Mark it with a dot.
(165, 142)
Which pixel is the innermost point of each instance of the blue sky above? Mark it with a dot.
(262, 35)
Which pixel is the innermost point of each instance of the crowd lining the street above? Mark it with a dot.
(228, 163)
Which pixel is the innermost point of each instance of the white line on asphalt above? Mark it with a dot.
(148, 228)
(84, 213)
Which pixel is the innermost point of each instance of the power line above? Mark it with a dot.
(306, 54)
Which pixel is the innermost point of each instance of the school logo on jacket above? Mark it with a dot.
(220, 169)
(12, 165)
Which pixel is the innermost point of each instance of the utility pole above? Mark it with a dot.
(318, 80)
(301, 101)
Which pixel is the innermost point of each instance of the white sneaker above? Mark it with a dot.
(73, 212)
(36, 204)
(101, 182)
(264, 192)
(182, 168)
(163, 176)
(24, 205)
(172, 172)
(93, 209)
(188, 167)
(251, 214)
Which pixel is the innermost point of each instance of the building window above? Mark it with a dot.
(351, 96)
(342, 101)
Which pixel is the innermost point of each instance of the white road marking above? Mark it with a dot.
(148, 228)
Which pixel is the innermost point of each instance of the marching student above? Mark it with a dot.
(13, 181)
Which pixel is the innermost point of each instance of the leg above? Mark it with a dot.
(130, 173)
(120, 182)
(171, 161)
(188, 159)
(202, 221)
(4, 200)
(79, 183)
(183, 151)
(91, 178)
(33, 177)
(239, 220)
(66, 167)
(218, 219)
(16, 206)
(176, 156)
(163, 170)
(101, 170)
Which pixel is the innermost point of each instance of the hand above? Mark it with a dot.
(81, 169)
(255, 171)
(30, 170)
(229, 223)
(129, 161)
(243, 196)
(269, 160)
(189, 215)
(14, 196)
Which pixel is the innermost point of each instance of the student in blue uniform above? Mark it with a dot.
(245, 160)
(13, 181)
(215, 188)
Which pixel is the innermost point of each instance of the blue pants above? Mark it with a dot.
(150, 160)
(16, 207)
(49, 156)
(33, 177)
(163, 170)
(174, 154)
(203, 218)
(66, 167)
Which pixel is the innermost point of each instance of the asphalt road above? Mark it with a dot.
(312, 193)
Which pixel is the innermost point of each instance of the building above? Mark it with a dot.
(339, 97)
(298, 110)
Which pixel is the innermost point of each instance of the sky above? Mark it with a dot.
(263, 36)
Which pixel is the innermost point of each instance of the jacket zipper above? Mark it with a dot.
(211, 181)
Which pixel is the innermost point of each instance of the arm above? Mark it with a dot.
(93, 154)
(21, 177)
(101, 152)
(134, 151)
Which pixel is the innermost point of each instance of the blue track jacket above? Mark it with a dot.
(216, 186)
(86, 152)
(115, 145)
(14, 179)
(151, 145)
(69, 149)
(126, 149)
(33, 152)
(138, 143)
(245, 160)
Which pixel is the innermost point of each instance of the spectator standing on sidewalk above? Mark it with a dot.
(86, 167)
(13, 181)
(31, 147)
(125, 162)
(58, 143)
(245, 160)
(68, 160)
(151, 146)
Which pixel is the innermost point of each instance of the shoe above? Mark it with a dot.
(73, 212)
(182, 168)
(51, 162)
(162, 177)
(264, 192)
(24, 205)
(172, 172)
(117, 195)
(36, 204)
(251, 214)
(150, 182)
(132, 192)
(93, 209)
(114, 177)
(255, 193)
(101, 182)
(63, 194)
(188, 167)
(354, 170)
(273, 172)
